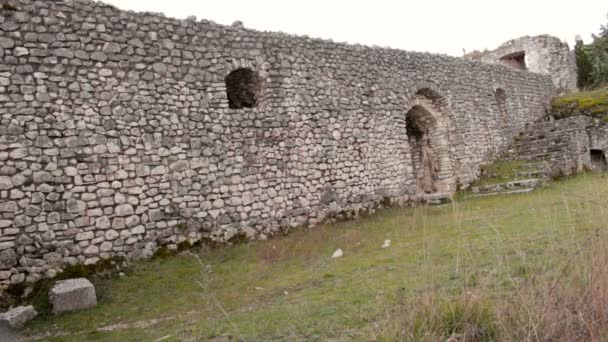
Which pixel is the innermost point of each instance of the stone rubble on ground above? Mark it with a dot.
(72, 295)
(337, 254)
(17, 317)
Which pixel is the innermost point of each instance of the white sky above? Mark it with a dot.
(440, 26)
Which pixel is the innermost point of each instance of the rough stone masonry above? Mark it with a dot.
(542, 54)
(123, 131)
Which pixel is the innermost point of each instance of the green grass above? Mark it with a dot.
(592, 103)
(288, 288)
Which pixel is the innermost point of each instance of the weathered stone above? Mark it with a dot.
(6, 43)
(42, 177)
(72, 295)
(75, 206)
(179, 166)
(124, 210)
(155, 215)
(138, 230)
(5, 183)
(159, 68)
(99, 56)
(18, 153)
(91, 250)
(21, 51)
(85, 236)
(105, 246)
(65, 53)
(8, 206)
(103, 222)
(17, 317)
(111, 48)
(8, 258)
(111, 235)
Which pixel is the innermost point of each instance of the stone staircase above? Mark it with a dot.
(552, 148)
(541, 151)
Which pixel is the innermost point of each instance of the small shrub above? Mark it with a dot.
(428, 318)
(161, 253)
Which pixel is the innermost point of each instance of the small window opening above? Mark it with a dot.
(243, 87)
(598, 160)
(8, 7)
(515, 60)
(501, 100)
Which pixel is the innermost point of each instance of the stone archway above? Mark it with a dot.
(427, 134)
(420, 126)
(598, 160)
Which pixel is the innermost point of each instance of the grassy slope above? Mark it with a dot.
(592, 103)
(290, 288)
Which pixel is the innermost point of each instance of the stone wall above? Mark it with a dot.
(542, 54)
(117, 134)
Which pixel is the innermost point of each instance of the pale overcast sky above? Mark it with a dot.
(423, 25)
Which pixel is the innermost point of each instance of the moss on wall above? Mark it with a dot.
(591, 103)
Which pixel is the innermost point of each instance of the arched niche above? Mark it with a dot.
(243, 88)
(427, 131)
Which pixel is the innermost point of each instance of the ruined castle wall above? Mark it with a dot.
(543, 54)
(116, 133)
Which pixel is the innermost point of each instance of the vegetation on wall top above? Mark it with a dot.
(591, 103)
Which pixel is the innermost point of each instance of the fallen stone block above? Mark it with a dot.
(18, 316)
(72, 295)
(6, 332)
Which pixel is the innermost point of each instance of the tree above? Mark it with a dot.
(604, 30)
(583, 65)
(592, 60)
(598, 54)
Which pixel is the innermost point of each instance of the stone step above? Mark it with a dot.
(533, 157)
(541, 166)
(516, 184)
(539, 133)
(558, 137)
(531, 174)
(530, 148)
(509, 192)
(434, 199)
(539, 130)
(524, 145)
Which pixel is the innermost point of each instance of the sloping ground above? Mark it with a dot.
(591, 103)
(289, 288)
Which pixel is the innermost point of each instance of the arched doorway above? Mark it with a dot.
(598, 160)
(427, 135)
(420, 126)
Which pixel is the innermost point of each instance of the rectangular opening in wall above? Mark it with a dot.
(598, 160)
(516, 60)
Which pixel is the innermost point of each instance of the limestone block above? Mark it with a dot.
(18, 316)
(72, 295)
